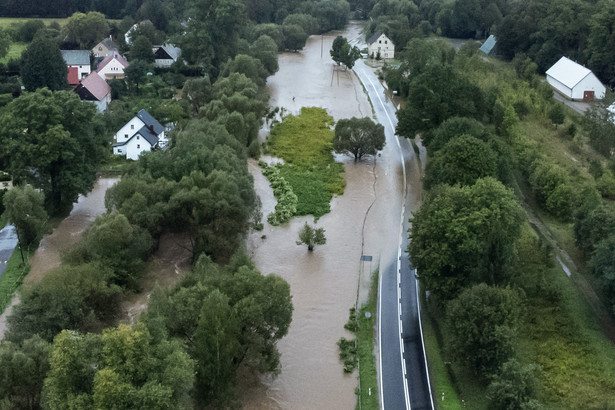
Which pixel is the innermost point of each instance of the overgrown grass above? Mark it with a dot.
(6, 22)
(13, 276)
(304, 142)
(563, 336)
(14, 52)
(366, 335)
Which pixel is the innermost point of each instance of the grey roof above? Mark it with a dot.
(107, 42)
(76, 57)
(171, 50)
(374, 37)
(488, 45)
(150, 122)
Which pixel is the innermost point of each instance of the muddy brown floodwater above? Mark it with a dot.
(325, 283)
(65, 235)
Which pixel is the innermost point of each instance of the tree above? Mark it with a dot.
(23, 368)
(86, 29)
(266, 50)
(600, 129)
(342, 53)
(482, 322)
(197, 92)
(465, 235)
(513, 387)
(25, 209)
(5, 42)
(249, 66)
(556, 114)
(451, 128)
(141, 49)
(311, 237)
(461, 161)
(136, 73)
(294, 37)
(49, 139)
(42, 65)
(358, 136)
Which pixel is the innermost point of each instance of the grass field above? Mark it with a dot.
(13, 276)
(304, 142)
(8, 21)
(14, 53)
(366, 336)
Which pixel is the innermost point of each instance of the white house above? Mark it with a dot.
(141, 134)
(574, 81)
(165, 55)
(78, 64)
(112, 67)
(93, 88)
(380, 46)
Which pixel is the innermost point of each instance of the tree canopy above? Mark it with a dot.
(465, 235)
(342, 53)
(358, 137)
(86, 29)
(42, 65)
(49, 139)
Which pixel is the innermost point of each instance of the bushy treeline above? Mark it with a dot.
(186, 350)
(470, 240)
(544, 30)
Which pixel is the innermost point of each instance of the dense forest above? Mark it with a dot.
(544, 30)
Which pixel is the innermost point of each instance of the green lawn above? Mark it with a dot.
(304, 142)
(13, 276)
(7, 21)
(14, 53)
(366, 336)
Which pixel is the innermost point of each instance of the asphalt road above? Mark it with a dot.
(8, 242)
(404, 380)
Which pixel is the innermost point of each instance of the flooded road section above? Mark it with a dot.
(327, 282)
(68, 232)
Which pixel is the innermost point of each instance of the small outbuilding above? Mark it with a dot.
(574, 81)
(165, 55)
(78, 64)
(488, 47)
(380, 46)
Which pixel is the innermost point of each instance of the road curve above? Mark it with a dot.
(404, 377)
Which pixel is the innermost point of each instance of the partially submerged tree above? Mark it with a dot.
(25, 210)
(311, 237)
(342, 53)
(358, 136)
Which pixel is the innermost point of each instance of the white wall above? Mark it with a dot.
(589, 83)
(384, 45)
(82, 70)
(112, 70)
(163, 63)
(561, 88)
(136, 146)
(128, 130)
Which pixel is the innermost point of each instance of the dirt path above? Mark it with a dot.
(326, 283)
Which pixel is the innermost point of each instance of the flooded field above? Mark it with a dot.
(325, 284)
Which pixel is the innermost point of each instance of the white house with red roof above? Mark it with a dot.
(141, 134)
(574, 81)
(78, 64)
(112, 67)
(93, 88)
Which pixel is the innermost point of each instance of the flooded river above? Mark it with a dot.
(326, 283)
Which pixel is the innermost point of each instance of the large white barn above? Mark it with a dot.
(574, 81)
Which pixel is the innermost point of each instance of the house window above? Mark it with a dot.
(138, 137)
(379, 41)
(132, 126)
(99, 48)
(385, 42)
(125, 135)
(138, 146)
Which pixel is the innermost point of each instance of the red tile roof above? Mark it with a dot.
(73, 75)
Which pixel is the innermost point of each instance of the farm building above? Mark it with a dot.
(574, 81)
